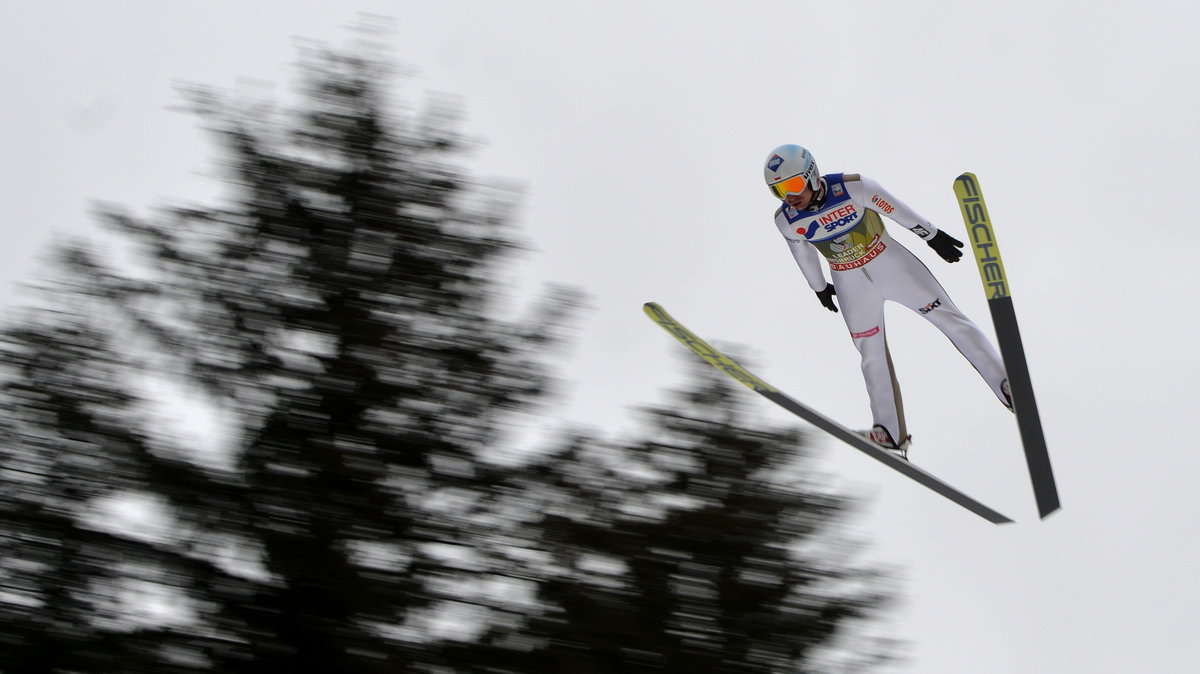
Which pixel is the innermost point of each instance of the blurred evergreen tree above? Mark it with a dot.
(338, 320)
(707, 545)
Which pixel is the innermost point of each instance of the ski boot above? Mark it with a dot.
(880, 436)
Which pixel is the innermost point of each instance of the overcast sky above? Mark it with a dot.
(638, 129)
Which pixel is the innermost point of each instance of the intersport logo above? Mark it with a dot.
(841, 217)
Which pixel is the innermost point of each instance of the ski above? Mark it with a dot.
(1000, 303)
(741, 374)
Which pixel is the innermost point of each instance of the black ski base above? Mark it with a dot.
(1029, 421)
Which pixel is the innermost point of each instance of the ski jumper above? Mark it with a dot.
(868, 267)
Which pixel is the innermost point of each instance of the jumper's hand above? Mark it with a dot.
(826, 297)
(947, 246)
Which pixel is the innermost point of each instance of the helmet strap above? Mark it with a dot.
(818, 199)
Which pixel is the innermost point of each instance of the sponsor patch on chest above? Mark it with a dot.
(830, 223)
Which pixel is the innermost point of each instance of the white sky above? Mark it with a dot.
(638, 130)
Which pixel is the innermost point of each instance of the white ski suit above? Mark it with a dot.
(868, 267)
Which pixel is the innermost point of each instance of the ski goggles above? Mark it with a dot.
(793, 185)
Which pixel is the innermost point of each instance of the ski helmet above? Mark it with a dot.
(789, 169)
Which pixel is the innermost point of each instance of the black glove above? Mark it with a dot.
(947, 246)
(826, 297)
